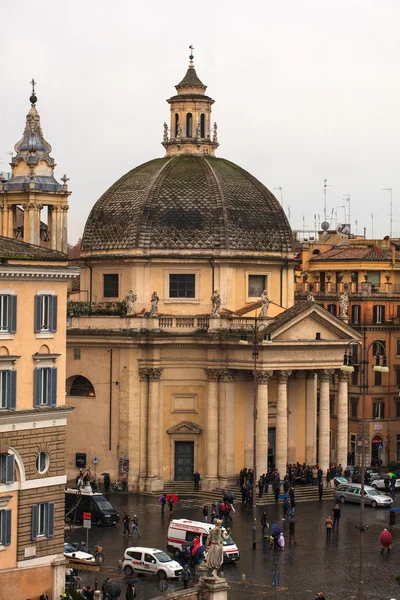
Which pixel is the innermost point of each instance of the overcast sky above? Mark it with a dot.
(304, 90)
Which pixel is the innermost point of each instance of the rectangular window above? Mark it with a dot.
(378, 409)
(332, 404)
(5, 527)
(398, 409)
(355, 375)
(77, 353)
(397, 371)
(182, 285)
(8, 390)
(332, 308)
(398, 347)
(8, 313)
(377, 378)
(46, 313)
(257, 284)
(45, 391)
(374, 277)
(111, 285)
(379, 314)
(354, 408)
(356, 314)
(7, 462)
(379, 347)
(42, 520)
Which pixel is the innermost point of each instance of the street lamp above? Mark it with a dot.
(347, 367)
(255, 328)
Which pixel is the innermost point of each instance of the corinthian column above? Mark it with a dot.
(311, 418)
(282, 423)
(154, 481)
(226, 426)
(263, 378)
(324, 420)
(211, 479)
(343, 423)
(143, 420)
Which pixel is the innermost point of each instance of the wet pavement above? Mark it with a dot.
(310, 566)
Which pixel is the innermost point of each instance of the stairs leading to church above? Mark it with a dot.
(184, 489)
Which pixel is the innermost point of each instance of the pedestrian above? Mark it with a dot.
(292, 532)
(135, 526)
(213, 512)
(107, 482)
(291, 496)
(386, 541)
(104, 587)
(264, 522)
(320, 490)
(205, 513)
(328, 526)
(130, 591)
(260, 487)
(227, 514)
(336, 516)
(186, 575)
(126, 521)
(196, 479)
(320, 596)
(277, 488)
(285, 508)
(163, 503)
(97, 595)
(328, 478)
(171, 508)
(393, 485)
(281, 541)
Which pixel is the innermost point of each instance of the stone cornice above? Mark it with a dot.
(36, 414)
(34, 272)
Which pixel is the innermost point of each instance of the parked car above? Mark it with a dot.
(356, 476)
(70, 550)
(186, 530)
(78, 502)
(379, 484)
(351, 492)
(151, 561)
(339, 480)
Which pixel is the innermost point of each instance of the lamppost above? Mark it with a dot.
(255, 329)
(347, 366)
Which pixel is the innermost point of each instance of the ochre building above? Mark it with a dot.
(175, 258)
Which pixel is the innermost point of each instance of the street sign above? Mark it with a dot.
(95, 460)
(359, 443)
(360, 438)
(87, 520)
(366, 443)
(380, 446)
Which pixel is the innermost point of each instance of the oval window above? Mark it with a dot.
(42, 462)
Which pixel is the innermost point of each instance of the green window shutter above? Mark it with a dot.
(12, 389)
(38, 314)
(53, 304)
(50, 519)
(9, 470)
(12, 314)
(6, 528)
(53, 387)
(37, 387)
(34, 526)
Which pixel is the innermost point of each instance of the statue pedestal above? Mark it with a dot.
(217, 588)
(209, 484)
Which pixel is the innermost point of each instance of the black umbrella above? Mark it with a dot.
(113, 590)
(228, 495)
(104, 474)
(187, 544)
(132, 580)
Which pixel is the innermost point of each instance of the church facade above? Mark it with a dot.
(165, 358)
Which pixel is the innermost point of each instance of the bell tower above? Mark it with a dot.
(32, 188)
(190, 130)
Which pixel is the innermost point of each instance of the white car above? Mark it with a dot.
(151, 561)
(379, 484)
(71, 552)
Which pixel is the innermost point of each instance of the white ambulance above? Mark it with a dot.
(185, 530)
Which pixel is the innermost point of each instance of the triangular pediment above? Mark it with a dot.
(304, 321)
(186, 427)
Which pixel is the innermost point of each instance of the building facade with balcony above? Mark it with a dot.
(368, 271)
(177, 258)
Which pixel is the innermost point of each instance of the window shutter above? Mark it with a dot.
(9, 475)
(12, 389)
(50, 520)
(35, 510)
(37, 387)
(53, 387)
(6, 528)
(53, 304)
(38, 314)
(12, 314)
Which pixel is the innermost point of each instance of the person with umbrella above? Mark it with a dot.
(113, 591)
(130, 589)
(276, 532)
(171, 499)
(163, 501)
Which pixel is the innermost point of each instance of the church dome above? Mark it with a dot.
(187, 202)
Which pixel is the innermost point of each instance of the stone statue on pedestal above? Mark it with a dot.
(344, 305)
(130, 302)
(154, 304)
(264, 304)
(178, 131)
(216, 304)
(310, 297)
(165, 135)
(215, 549)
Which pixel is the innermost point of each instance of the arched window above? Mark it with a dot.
(189, 123)
(176, 124)
(80, 386)
(203, 125)
(315, 252)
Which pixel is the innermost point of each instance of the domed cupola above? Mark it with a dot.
(190, 123)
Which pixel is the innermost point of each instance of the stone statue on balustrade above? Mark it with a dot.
(165, 134)
(344, 305)
(216, 304)
(264, 304)
(130, 302)
(154, 305)
(215, 549)
(310, 296)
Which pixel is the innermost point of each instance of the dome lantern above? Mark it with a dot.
(190, 123)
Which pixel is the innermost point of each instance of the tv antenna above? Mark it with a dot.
(372, 225)
(390, 211)
(325, 190)
(288, 213)
(281, 193)
(346, 197)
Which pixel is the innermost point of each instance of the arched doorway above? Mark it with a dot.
(376, 447)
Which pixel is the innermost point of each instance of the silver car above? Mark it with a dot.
(351, 492)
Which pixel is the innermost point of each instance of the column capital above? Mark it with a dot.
(212, 374)
(263, 377)
(227, 375)
(343, 376)
(326, 374)
(143, 373)
(150, 374)
(65, 208)
(310, 374)
(283, 376)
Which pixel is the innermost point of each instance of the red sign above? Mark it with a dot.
(377, 439)
(87, 516)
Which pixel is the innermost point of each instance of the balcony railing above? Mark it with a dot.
(365, 288)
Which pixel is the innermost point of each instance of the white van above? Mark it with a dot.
(151, 561)
(185, 530)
